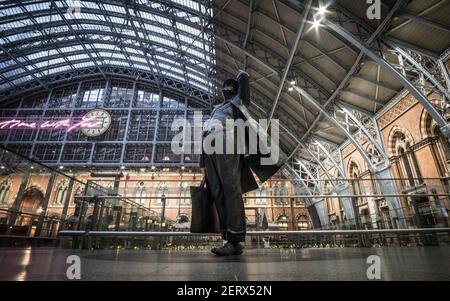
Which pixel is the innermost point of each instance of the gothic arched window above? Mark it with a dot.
(185, 194)
(261, 195)
(408, 166)
(302, 222)
(61, 193)
(162, 191)
(442, 150)
(78, 191)
(329, 201)
(141, 192)
(355, 183)
(281, 190)
(5, 188)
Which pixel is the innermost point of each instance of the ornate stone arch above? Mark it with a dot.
(440, 145)
(36, 186)
(350, 165)
(283, 219)
(428, 124)
(354, 181)
(303, 221)
(32, 199)
(393, 137)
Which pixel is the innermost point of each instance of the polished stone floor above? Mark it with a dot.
(407, 263)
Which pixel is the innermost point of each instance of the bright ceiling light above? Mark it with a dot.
(292, 82)
(316, 22)
(322, 10)
(290, 89)
(319, 16)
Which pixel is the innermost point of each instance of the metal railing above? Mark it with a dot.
(258, 239)
(27, 209)
(26, 224)
(98, 208)
(429, 215)
(277, 186)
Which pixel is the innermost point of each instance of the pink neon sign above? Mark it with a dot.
(68, 124)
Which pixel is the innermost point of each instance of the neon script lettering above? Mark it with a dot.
(90, 122)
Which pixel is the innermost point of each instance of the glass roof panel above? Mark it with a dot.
(13, 72)
(89, 4)
(84, 65)
(37, 6)
(5, 86)
(21, 80)
(150, 36)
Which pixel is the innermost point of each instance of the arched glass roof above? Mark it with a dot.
(191, 45)
(166, 38)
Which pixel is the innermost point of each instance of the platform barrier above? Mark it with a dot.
(108, 203)
(257, 239)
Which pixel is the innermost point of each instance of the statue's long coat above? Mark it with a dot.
(252, 162)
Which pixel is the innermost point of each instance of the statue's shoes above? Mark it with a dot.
(228, 250)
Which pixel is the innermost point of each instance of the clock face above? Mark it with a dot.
(105, 121)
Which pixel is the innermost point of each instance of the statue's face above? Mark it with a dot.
(230, 89)
(228, 92)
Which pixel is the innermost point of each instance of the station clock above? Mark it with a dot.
(104, 125)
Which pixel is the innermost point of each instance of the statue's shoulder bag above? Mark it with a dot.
(204, 217)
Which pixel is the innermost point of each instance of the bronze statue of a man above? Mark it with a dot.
(229, 172)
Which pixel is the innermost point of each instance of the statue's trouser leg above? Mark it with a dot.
(224, 179)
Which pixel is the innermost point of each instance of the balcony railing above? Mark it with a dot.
(100, 206)
(258, 239)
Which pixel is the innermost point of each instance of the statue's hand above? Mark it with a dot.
(241, 72)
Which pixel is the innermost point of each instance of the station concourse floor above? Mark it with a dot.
(397, 263)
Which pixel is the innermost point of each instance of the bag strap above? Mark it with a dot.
(235, 112)
(203, 182)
